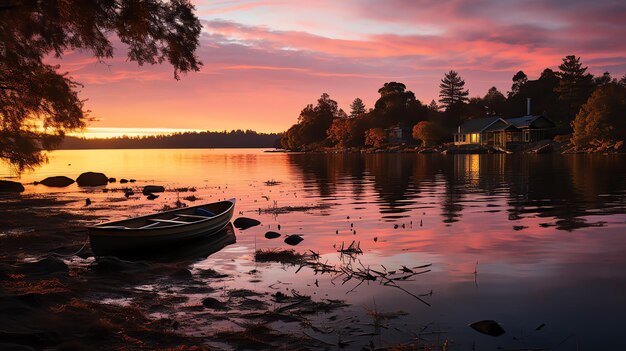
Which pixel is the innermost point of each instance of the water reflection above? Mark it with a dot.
(556, 187)
(544, 233)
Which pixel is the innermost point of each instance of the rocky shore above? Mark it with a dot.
(542, 147)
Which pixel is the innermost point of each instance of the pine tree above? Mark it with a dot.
(433, 105)
(357, 108)
(575, 84)
(452, 92)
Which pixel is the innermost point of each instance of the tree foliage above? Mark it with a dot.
(604, 79)
(494, 102)
(397, 105)
(601, 118)
(519, 79)
(313, 123)
(575, 84)
(375, 137)
(452, 90)
(357, 108)
(348, 132)
(37, 103)
(428, 133)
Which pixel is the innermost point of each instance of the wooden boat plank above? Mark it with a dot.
(192, 216)
(167, 221)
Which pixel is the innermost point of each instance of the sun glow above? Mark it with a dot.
(102, 132)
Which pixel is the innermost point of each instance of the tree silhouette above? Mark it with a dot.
(313, 124)
(357, 108)
(519, 79)
(37, 103)
(452, 92)
(575, 84)
(604, 79)
(433, 105)
(495, 102)
(397, 105)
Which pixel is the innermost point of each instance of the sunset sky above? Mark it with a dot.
(265, 60)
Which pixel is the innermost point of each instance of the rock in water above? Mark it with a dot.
(128, 193)
(152, 196)
(92, 179)
(245, 223)
(7, 186)
(149, 189)
(488, 327)
(112, 180)
(272, 235)
(293, 240)
(123, 181)
(57, 182)
(213, 303)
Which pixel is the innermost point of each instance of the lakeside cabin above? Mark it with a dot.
(399, 133)
(497, 131)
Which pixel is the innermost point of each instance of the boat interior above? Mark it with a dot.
(187, 215)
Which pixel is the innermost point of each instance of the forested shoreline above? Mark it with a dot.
(224, 139)
(587, 110)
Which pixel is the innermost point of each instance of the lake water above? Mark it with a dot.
(520, 239)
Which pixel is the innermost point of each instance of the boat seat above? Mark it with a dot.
(150, 225)
(192, 216)
(167, 221)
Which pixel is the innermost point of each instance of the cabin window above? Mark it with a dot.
(474, 138)
(526, 136)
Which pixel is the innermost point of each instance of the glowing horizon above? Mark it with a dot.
(266, 60)
(113, 132)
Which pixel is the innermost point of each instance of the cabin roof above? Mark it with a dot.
(490, 124)
(522, 122)
(476, 125)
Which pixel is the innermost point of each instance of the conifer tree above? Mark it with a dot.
(452, 91)
(575, 84)
(357, 108)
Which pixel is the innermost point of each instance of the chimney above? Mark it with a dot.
(528, 106)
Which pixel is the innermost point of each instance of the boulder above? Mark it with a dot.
(293, 240)
(123, 181)
(112, 180)
(57, 182)
(245, 223)
(272, 235)
(7, 186)
(92, 179)
(150, 189)
(213, 303)
(489, 327)
(152, 196)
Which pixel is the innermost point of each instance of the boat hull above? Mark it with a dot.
(107, 240)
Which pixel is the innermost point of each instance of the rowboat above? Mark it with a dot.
(160, 230)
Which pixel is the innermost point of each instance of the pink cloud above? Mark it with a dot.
(257, 76)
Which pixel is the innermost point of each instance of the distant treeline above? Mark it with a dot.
(232, 139)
